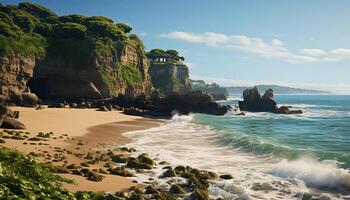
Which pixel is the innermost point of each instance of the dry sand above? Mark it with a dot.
(81, 131)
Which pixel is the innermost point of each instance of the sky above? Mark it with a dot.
(293, 43)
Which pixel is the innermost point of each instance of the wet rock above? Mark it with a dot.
(164, 163)
(150, 189)
(169, 173)
(119, 159)
(121, 171)
(177, 189)
(198, 183)
(133, 111)
(180, 168)
(144, 158)
(286, 110)
(200, 194)
(137, 165)
(226, 176)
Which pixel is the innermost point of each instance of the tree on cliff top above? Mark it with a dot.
(164, 55)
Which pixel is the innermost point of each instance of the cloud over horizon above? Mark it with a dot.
(257, 46)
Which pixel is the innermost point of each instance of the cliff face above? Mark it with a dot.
(124, 70)
(170, 78)
(15, 71)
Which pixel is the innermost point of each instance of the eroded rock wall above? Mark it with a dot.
(170, 78)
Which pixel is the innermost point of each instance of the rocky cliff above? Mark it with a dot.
(15, 71)
(68, 57)
(123, 71)
(170, 77)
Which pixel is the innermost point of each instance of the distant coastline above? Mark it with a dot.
(234, 90)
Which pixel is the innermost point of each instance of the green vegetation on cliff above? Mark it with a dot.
(33, 30)
(131, 74)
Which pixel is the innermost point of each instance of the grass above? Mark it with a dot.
(27, 45)
(131, 75)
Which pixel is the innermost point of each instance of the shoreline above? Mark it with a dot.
(79, 131)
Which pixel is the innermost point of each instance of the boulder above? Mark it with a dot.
(29, 99)
(10, 123)
(192, 102)
(226, 176)
(177, 189)
(286, 110)
(169, 173)
(200, 194)
(133, 111)
(137, 165)
(144, 158)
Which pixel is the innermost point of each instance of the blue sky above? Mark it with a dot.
(294, 43)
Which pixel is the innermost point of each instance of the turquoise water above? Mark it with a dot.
(322, 131)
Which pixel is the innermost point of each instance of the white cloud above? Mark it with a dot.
(313, 52)
(257, 46)
(338, 88)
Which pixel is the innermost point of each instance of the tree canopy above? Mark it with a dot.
(164, 55)
(25, 24)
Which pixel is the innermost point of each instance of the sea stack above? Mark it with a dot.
(254, 102)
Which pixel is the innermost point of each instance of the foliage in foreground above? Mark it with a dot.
(23, 177)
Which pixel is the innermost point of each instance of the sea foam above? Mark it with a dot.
(313, 172)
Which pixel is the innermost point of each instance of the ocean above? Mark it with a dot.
(271, 156)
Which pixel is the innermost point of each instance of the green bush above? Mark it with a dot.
(105, 29)
(37, 10)
(27, 45)
(23, 177)
(69, 30)
(131, 75)
(80, 19)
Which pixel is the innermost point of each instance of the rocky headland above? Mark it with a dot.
(254, 102)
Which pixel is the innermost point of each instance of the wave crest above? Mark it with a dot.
(313, 172)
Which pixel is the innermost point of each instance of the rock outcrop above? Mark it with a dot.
(7, 119)
(215, 90)
(15, 71)
(254, 102)
(192, 102)
(170, 77)
(102, 76)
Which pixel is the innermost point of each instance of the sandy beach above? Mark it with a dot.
(79, 131)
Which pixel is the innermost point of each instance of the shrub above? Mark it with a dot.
(69, 30)
(37, 10)
(131, 75)
(23, 177)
